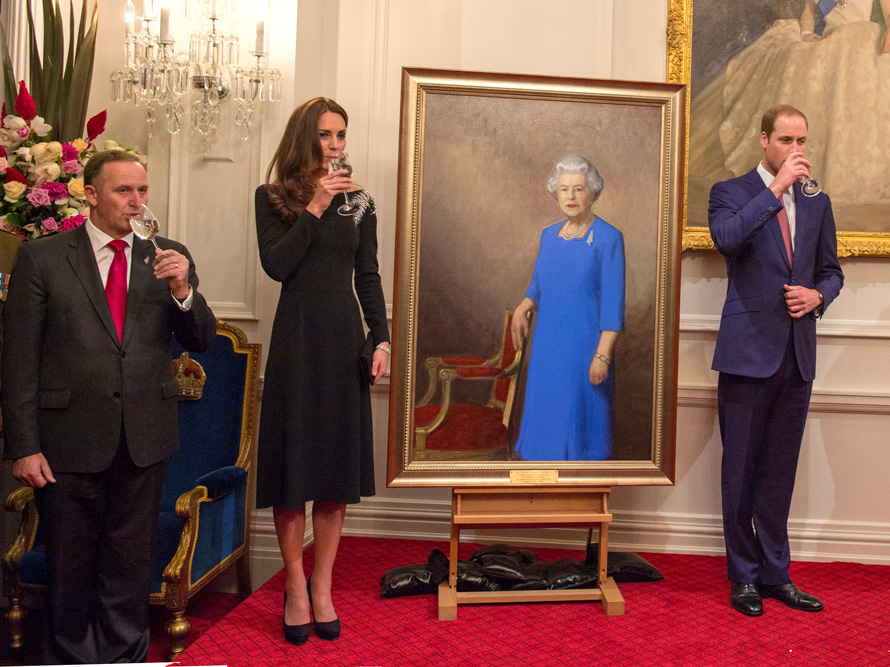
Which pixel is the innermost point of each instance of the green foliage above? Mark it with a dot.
(59, 82)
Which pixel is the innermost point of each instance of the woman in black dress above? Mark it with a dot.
(315, 440)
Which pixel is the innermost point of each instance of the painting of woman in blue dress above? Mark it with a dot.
(577, 290)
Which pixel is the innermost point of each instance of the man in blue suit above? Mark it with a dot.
(783, 272)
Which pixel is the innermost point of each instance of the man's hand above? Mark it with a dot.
(33, 471)
(794, 168)
(801, 300)
(173, 267)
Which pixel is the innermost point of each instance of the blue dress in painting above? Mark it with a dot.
(578, 287)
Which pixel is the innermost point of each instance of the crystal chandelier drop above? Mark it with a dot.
(157, 77)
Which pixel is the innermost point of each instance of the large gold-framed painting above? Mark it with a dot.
(829, 58)
(537, 281)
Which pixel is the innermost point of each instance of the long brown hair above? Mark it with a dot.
(298, 157)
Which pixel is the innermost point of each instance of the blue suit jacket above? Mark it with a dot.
(755, 324)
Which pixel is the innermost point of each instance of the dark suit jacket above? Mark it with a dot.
(68, 383)
(755, 323)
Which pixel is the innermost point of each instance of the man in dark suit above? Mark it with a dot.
(781, 259)
(89, 403)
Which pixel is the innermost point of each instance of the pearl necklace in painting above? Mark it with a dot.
(569, 236)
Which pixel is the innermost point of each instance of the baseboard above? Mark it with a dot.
(629, 531)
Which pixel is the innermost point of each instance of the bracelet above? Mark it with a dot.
(602, 357)
(383, 346)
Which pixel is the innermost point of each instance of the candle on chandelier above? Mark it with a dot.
(130, 18)
(148, 9)
(260, 35)
(165, 19)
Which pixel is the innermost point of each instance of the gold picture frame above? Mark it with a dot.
(476, 150)
(681, 17)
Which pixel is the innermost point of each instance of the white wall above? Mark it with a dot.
(353, 51)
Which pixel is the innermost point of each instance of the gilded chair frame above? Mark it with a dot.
(177, 587)
(442, 379)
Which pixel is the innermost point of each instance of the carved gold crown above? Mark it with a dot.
(191, 377)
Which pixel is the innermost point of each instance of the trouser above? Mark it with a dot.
(761, 422)
(100, 532)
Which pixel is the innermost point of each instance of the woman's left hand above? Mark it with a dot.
(599, 371)
(378, 364)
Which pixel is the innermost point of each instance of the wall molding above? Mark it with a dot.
(827, 328)
(811, 540)
(824, 401)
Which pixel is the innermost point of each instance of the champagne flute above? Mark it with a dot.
(340, 162)
(145, 225)
(810, 187)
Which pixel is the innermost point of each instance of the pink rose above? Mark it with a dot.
(71, 166)
(38, 197)
(3, 165)
(49, 226)
(6, 225)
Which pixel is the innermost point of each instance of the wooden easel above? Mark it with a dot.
(510, 507)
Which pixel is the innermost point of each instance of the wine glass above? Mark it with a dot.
(145, 225)
(810, 187)
(340, 162)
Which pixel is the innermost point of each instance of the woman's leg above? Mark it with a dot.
(327, 524)
(290, 525)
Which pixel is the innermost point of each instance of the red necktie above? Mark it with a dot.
(116, 286)
(786, 233)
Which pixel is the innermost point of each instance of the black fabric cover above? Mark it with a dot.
(623, 567)
(501, 568)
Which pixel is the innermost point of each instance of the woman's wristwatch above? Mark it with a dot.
(383, 346)
(602, 357)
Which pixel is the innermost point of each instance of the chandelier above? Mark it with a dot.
(160, 79)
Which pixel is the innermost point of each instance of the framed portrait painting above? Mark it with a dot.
(829, 59)
(537, 280)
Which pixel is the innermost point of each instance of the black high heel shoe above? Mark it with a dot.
(296, 634)
(329, 630)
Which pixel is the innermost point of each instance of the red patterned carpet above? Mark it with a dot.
(683, 620)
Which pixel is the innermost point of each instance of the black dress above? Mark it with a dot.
(315, 439)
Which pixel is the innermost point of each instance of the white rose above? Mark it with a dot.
(111, 145)
(14, 191)
(38, 150)
(54, 148)
(45, 172)
(68, 212)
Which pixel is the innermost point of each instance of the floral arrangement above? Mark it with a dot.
(43, 189)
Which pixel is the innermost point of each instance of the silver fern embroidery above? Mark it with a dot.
(363, 203)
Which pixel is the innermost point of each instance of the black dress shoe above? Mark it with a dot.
(329, 630)
(791, 596)
(296, 634)
(746, 599)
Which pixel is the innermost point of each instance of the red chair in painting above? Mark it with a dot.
(464, 431)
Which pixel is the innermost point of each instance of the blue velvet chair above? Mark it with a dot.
(204, 518)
